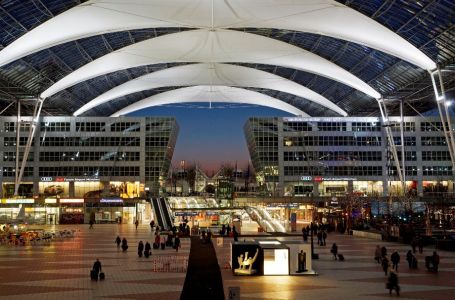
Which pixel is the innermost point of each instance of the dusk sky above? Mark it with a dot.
(211, 137)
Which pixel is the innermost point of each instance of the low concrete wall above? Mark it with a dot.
(367, 234)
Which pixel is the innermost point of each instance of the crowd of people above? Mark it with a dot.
(390, 266)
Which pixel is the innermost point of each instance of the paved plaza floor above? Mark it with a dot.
(60, 270)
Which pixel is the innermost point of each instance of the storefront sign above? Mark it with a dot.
(19, 201)
(321, 178)
(71, 200)
(186, 213)
(68, 179)
(50, 200)
(111, 200)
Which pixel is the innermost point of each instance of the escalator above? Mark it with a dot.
(157, 211)
(166, 213)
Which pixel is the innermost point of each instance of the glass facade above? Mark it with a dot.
(326, 157)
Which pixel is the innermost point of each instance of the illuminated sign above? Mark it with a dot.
(19, 201)
(68, 179)
(321, 178)
(71, 200)
(186, 213)
(50, 200)
(111, 200)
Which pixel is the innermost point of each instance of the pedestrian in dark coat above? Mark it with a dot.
(118, 241)
(124, 244)
(235, 233)
(319, 235)
(395, 258)
(392, 283)
(420, 245)
(385, 264)
(324, 237)
(177, 243)
(140, 248)
(147, 250)
(334, 250)
(383, 251)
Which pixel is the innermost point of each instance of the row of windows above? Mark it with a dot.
(408, 140)
(268, 156)
(152, 173)
(11, 172)
(55, 126)
(156, 141)
(297, 126)
(11, 156)
(409, 155)
(331, 126)
(155, 156)
(333, 156)
(436, 155)
(11, 126)
(266, 141)
(407, 126)
(90, 126)
(437, 171)
(90, 141)
(332, 141)
(432, 126)
(9, 141)
(410, 171)
(126, 126)
(90, 156)
(89, 171)
(433, 141)
(366, 126)
(333, 170)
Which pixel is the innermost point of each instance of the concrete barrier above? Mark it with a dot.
(367, 234)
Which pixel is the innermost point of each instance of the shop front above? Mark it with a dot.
(71, 211)
(25, 189)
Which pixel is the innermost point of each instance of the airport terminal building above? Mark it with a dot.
(329, 157)
(79, 162)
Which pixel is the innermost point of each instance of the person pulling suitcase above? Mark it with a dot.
(96, 270)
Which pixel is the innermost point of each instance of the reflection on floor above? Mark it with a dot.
(60, 270)
(358, 277)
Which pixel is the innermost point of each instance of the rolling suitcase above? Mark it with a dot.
(155, 246)
(341, 257)
(102, 276)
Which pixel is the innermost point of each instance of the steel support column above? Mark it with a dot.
(444, 114)
(388, 130)
(31, 134)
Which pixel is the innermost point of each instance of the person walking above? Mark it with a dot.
(305, 235)
(91, 224)
(420, 245)
(334, 251)
(96, 270)
(235, 233)
(147, 250)
(377, 254)
(177, 243)
(435, 261)
(414, 245)
(410, 259)
(383, 251)
(118, 241)
(319, 235)
(124, 244)
(324, 237)
(136, 223)
(392, 283)
(228, 230)
(140, 248)
(385, 264)
(395, 258)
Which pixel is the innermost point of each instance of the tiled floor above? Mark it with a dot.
(60, 270)
(358, 277)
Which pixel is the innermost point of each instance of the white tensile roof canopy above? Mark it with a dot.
(213, 42)
(210, 74)
(224, 94)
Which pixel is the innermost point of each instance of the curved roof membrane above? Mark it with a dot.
(325, 17)
(224, 94)
(209, 46)
(214, 75)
